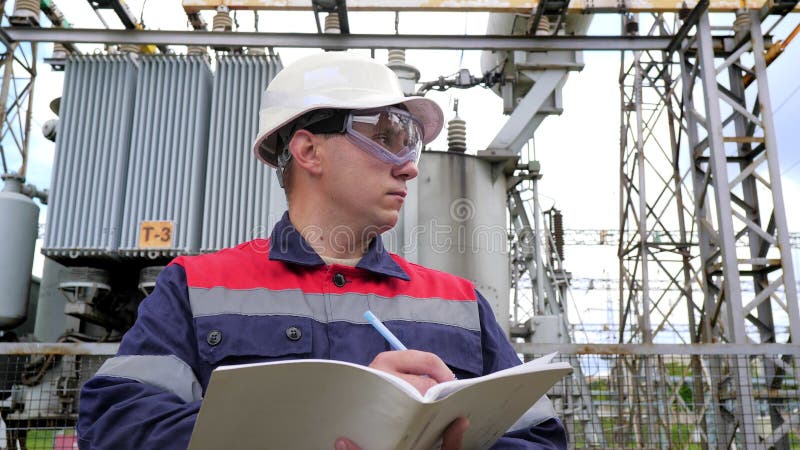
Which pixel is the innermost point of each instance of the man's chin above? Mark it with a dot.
(388, 222)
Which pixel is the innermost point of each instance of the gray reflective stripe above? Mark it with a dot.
(540, 411)
(167, 372)
(348, 307)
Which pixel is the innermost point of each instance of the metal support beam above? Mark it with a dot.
(507, 6)
(524, 120)
(334, 41)
(543, 75)
(689, 23)
(728, 295)
(659, 349)
(120, 8)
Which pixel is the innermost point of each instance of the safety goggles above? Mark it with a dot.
(390, 134)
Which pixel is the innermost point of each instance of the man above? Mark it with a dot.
(345, 142)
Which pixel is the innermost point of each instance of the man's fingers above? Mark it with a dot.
(413, 362)
(345, 444)
(422, 383)
(451, 439)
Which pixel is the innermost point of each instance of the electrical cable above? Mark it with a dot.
(791, 167)
(775, 111)
(141, 14)
(785, 100)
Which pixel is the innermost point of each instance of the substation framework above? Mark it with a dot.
(701, 202)
(698, 155)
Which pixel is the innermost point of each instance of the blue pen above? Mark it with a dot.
(381, 328)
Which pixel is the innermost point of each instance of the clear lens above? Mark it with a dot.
(390, 134)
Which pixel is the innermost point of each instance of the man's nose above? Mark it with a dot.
(408, 170)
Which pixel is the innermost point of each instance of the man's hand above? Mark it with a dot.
(423, 370)
(451, 439)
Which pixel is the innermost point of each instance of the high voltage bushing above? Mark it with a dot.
(198, 50)
(23, 7)
(332, 25)
(397, 56)
(129, 48)
(222, 20)
(59, 50)
(457, 135)
(408, 74)
(26, 12)
(543, 29)
(741, 24)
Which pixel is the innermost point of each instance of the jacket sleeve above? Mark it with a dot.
(148, 395)
(539, 428)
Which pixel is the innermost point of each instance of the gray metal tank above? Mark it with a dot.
(51, 322)
(19, 226)
(455, 221)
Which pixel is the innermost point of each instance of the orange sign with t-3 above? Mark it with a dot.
(155, 234)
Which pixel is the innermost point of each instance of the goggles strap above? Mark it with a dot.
(320, 121)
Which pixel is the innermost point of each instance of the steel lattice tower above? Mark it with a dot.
(698, 155)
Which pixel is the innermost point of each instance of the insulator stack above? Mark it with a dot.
(558, 233)
(198, 50)
(408, 74)
(457, 135)
(543, 29)
(332, 24)
(397, 56)
(742, 22)
(27, 8)
(222, 20)
(128, 48)
(59, 51)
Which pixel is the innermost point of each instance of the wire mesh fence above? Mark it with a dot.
(680, 401)
(618, 397)
(39, 386)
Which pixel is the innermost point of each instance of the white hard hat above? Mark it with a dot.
(334, 80)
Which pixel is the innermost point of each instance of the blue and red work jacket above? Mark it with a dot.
(276, 299)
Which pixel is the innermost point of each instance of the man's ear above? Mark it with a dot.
(304, 147)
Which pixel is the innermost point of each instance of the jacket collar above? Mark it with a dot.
(288, 245)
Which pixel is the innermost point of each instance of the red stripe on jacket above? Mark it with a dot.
(247, 266)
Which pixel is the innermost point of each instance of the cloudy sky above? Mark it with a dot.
(579, 150)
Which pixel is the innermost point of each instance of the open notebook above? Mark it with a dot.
(308, 404)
